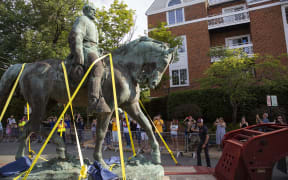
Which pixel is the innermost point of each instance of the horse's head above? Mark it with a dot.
(157, 57)
(146, 59)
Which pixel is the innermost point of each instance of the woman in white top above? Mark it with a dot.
(173, 132)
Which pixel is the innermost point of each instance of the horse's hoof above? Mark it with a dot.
(61, 153)
(156, 158)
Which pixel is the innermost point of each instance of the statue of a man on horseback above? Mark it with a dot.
(83, 42)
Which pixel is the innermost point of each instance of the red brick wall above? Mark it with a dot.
(196, 11)
(198, 44)
(155, 19)
(217, 36)
(267, 31)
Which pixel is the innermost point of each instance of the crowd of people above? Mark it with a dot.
(195, 135)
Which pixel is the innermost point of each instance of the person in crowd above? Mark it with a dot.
(243, 122)
(126, 132)
(67, 121)
(188, 121)
(21, 124)
(114, 132)
(15, 132)
(133, 126)
(280, 120)
(8, 132)
(93, 129)
(204, 138)
(220, 131)
(1, 132)
(174, 134)
(11, 120)
(194, 137)
(158, 122)
(258, 119)
(80, 127)
(108, 137)
(144, 143)
(62, 129)
(265, 118)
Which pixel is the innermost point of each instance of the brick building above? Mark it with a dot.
(256, 26)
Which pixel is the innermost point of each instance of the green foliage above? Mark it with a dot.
(114, 23)
(162, 33)
(234, 74)
(33, 30)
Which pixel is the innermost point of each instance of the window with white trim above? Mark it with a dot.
(179, 77)
(175, 16)
(174, 2)
(238, 40)
(179, 69)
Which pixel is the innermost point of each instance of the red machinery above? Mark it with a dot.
(250, 153)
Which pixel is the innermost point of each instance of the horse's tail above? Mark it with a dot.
(7, 81)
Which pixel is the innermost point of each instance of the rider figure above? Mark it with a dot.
(83, 42)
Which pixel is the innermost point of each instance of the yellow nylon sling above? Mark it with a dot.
(130, 134)
(12, 92)
(165, 144)
(62, 114)
(117, 119)
(83, 171)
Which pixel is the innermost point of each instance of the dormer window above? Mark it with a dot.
(175, 16)
(174, 2)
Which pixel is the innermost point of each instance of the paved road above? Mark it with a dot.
(8, 150)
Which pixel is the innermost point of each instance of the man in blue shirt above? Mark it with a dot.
(265, 118)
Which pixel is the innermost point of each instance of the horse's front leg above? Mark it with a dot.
(102, 125)
(136, 113)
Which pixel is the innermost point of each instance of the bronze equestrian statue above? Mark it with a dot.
(141, 62)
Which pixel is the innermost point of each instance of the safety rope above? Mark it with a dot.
(12, 92)
(165, 144)
(62, 114)
(117, 119)
(83, 171)
(130, 134)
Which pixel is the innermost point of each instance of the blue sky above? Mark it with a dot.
(140, 7)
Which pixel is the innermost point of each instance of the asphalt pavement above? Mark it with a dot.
(8, 151)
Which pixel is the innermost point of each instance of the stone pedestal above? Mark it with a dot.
(137, 168)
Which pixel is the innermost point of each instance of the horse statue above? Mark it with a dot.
(141, 62)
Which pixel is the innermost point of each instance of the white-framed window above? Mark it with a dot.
(238, 40)
(251, 2)
(236, 17)
(179, 70)
(174, 2)
(285, 22)
(175, 16)
(243, 42)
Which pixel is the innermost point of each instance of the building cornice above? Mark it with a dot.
(174, 7)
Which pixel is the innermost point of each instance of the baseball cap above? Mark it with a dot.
(200, 120)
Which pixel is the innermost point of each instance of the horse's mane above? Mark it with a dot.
(124, 48)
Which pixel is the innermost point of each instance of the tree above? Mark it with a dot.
(114, 23)
(162, 33)
(234, 74)
(33, 30)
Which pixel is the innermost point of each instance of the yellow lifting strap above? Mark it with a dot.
(167, 147)
(130, 134)
(27, 107)
(12, 92)
(61, 116)
(117, 119)
(83, 171)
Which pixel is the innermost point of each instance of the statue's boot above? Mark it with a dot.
(96, 103)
